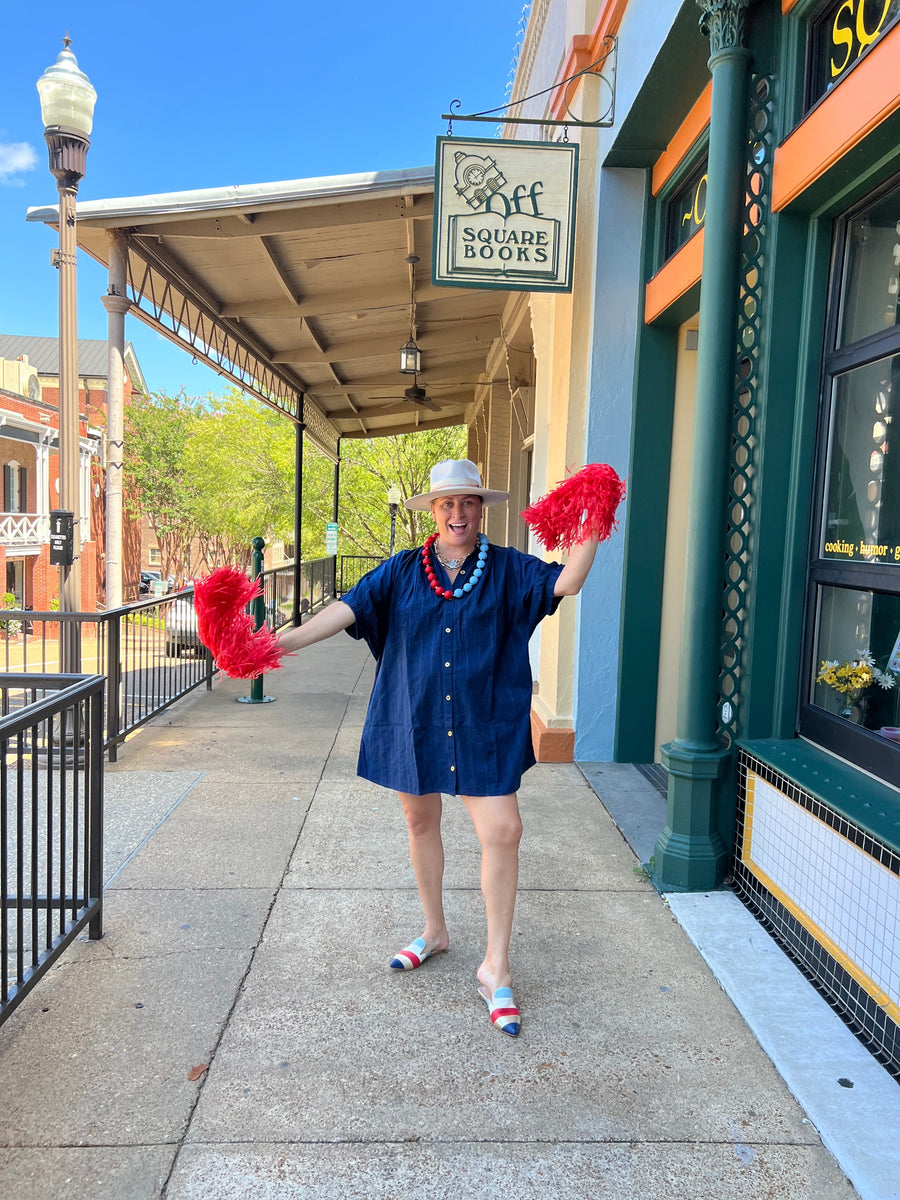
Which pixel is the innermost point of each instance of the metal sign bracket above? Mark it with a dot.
(602, 69)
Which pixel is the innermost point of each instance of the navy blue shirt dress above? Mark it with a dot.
(450, 709)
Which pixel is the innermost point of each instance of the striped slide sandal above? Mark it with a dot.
(412, 956)
(502, 1008)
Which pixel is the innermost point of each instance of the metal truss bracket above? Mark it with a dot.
(602, 69)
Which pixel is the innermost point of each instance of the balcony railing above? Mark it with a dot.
(24, 529)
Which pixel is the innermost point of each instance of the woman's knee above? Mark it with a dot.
(496, 819)
(502, 832)
(423, 814)
(512, 833)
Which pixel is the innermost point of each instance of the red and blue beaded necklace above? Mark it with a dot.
(456, 593)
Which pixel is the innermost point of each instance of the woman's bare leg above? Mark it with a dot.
(499, 827)
(426, 853)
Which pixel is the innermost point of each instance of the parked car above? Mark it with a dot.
(181, 626)
(148, 579)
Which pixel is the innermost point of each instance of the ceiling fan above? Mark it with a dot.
(415, 395)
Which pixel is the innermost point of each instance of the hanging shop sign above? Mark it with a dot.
(504, 214)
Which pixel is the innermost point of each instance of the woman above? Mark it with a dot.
(450, 710)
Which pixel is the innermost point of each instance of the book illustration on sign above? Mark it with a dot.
(517, 245)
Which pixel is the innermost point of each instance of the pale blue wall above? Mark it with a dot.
(617, 295)
(608, 439)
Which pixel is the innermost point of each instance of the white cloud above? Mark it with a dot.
(14, 158)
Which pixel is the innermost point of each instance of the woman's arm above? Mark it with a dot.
(325, 624)
(575, 572)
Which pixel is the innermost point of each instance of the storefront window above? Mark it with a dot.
(858, 658)
(863, 474)
(852, 693)
(839, 36)
(871, 300)
(686, 211)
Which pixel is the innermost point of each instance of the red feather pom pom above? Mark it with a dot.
(227, 629)
(580, 508)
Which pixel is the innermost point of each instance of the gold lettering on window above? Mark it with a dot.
(849, 35)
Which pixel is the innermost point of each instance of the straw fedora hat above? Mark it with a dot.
(454, 477)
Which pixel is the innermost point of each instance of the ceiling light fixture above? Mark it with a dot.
(410, 354)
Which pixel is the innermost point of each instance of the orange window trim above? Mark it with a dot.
(857, 105)
(680, 146)
(671, 281)
(585, 49)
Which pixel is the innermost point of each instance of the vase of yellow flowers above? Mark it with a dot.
(852, 680)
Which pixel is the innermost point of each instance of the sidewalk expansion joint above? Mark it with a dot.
(418, 1140)
(159, 824)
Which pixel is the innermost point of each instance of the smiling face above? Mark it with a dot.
(457, 519)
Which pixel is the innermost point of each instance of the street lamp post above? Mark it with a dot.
(67, 110)
(394, 497)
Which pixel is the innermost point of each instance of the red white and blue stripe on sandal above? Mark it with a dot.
(410, 956)
(502, 1007)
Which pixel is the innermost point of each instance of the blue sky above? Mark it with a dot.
(196, 95)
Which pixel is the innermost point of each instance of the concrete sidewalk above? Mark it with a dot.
(256, 892)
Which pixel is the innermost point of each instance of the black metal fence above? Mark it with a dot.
(318, 583)
(51, 822)
(150, 652)
(353, 567)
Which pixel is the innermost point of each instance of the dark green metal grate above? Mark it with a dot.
(740, 532)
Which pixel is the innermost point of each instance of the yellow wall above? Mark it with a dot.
(15, 376)
(676, 522)
(562, 330)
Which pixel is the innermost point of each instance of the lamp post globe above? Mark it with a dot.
(67, 111)
(67, 95)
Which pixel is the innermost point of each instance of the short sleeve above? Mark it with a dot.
(535, 581)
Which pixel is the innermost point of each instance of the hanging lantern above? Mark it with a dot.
(410, 358)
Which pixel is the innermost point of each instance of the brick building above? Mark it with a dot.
(29, 456)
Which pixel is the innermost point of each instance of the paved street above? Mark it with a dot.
(237, 1033)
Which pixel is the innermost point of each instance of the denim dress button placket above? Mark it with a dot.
(478, 673)
(447, 654)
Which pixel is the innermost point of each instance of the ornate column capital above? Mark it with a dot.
(722, 21)
(116, 304)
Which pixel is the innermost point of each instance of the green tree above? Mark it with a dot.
(211, 474)
(158, 430)
(318, 499)
(370, 467)
(241, 465)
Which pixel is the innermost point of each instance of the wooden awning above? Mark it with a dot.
(300, 292)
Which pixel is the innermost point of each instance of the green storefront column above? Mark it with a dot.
(690, 855)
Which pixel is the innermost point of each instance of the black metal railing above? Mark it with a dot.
(51, 823)
(316, 588)
(353, 567)
(150, 652)
(278, 593)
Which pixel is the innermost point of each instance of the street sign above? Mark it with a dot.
(62, 538)
(331, 532)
